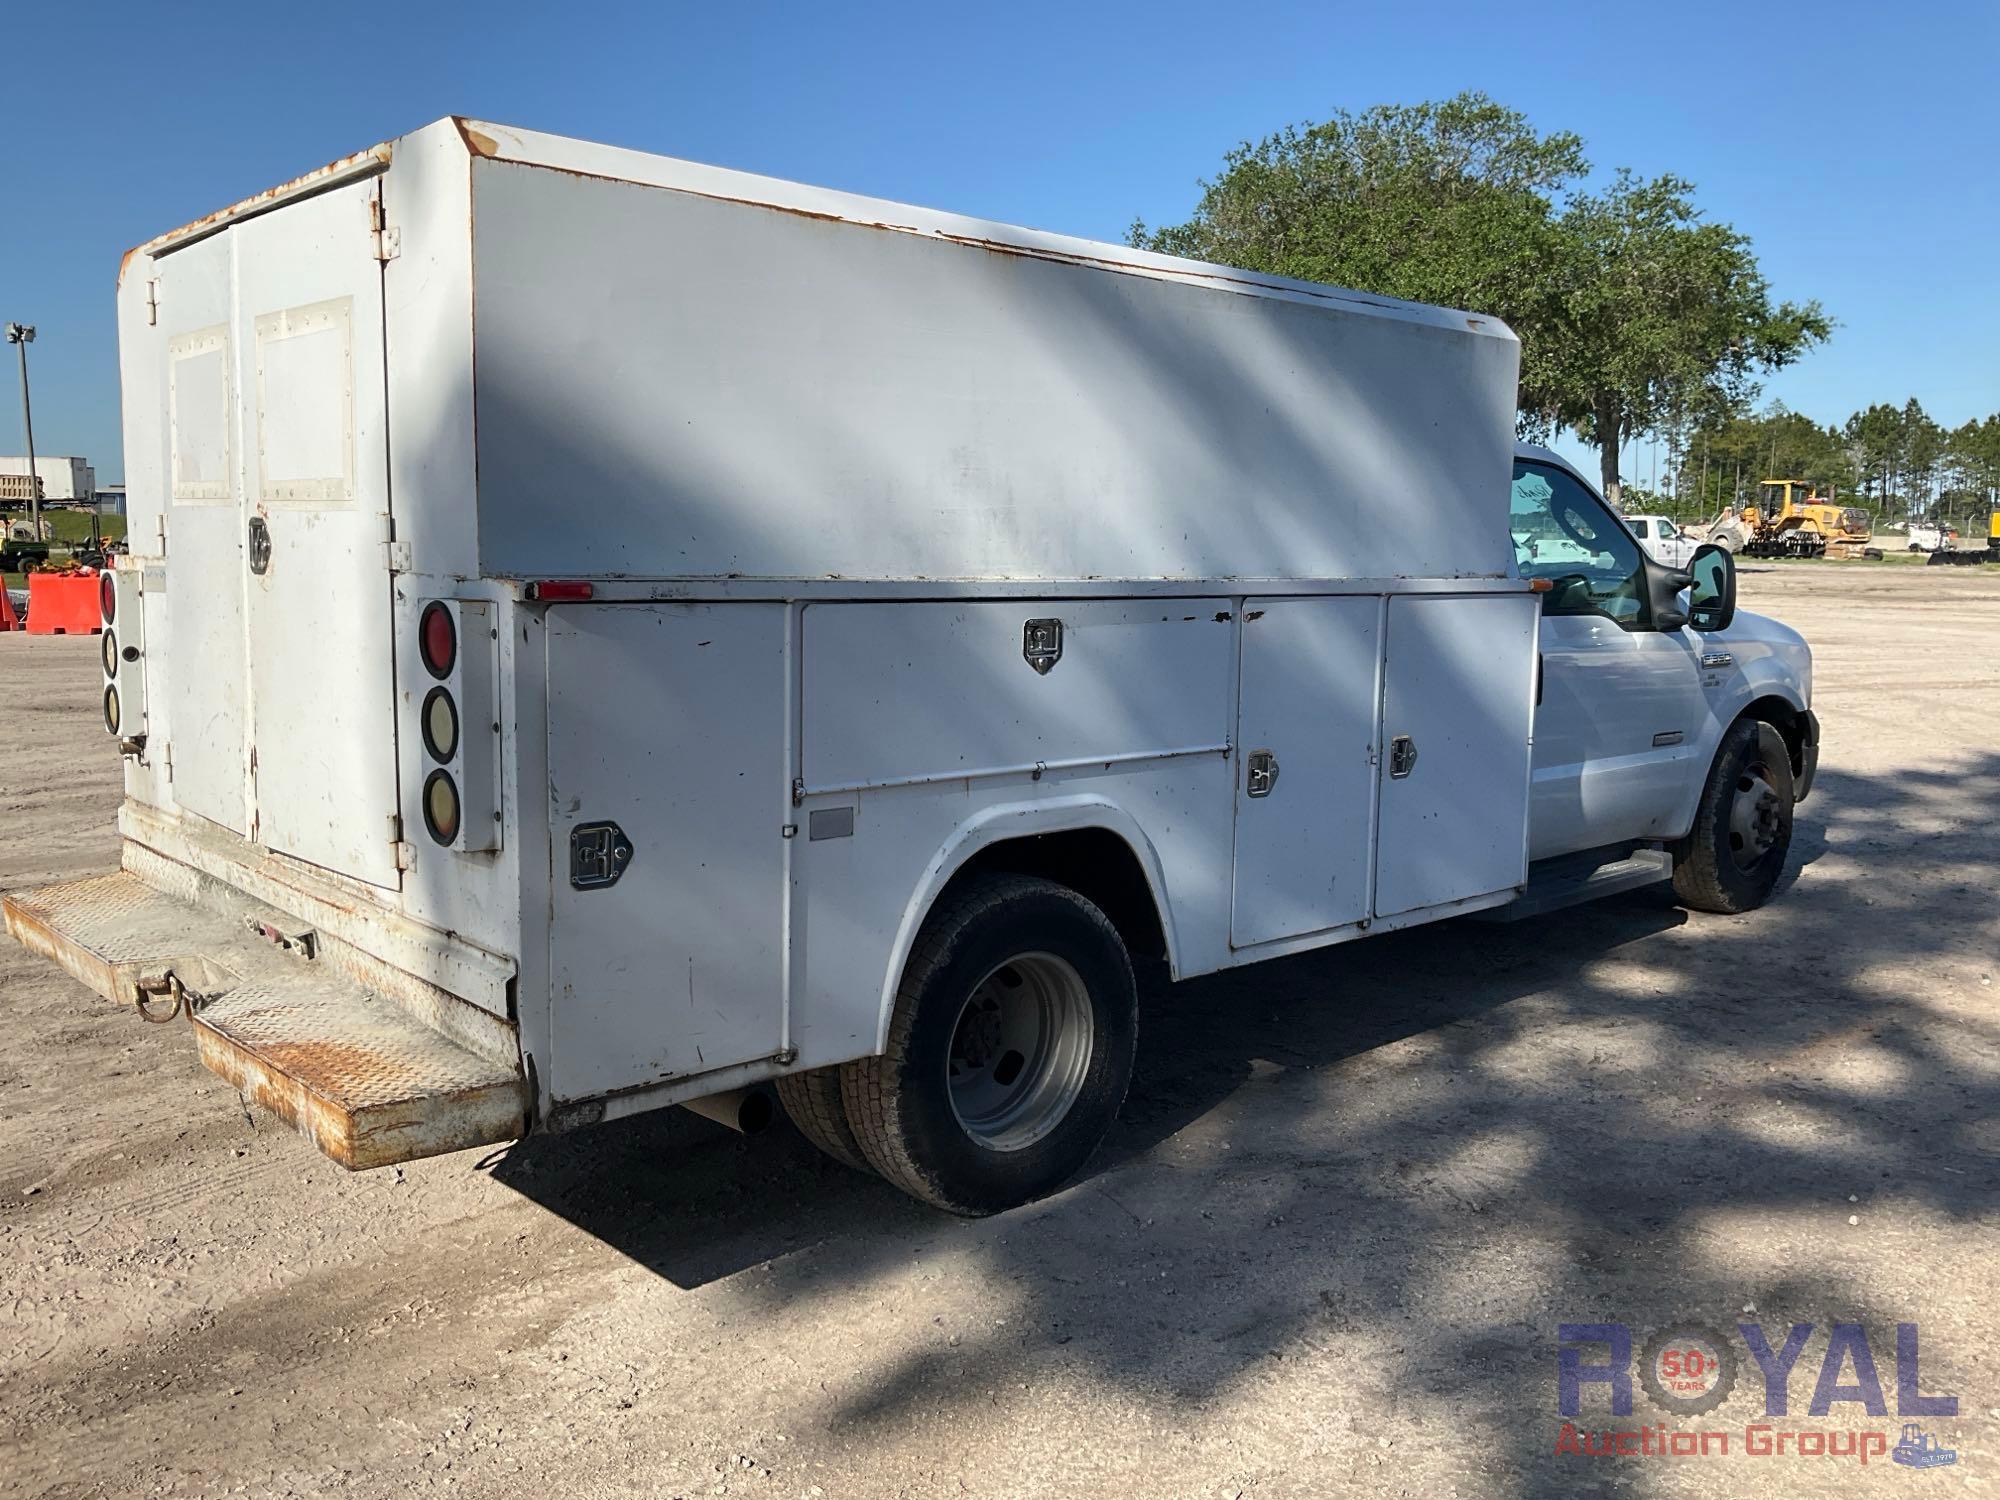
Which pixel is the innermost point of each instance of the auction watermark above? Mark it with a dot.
(1688, 1370)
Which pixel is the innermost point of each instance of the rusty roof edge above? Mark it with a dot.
(531, 148)
(347, 169)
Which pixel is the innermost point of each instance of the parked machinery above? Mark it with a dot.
(1789, 519)
(1962, 556)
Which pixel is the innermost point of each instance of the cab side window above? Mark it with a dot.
(1563, 534)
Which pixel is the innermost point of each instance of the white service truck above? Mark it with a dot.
(603, 632)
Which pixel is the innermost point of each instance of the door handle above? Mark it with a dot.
(260, 545)
(1263, 773)
(1402, 756)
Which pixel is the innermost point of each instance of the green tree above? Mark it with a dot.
(1633, 313)
(1657, 311)
(1443, 202)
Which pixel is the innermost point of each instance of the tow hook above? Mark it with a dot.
(151, 991)
(303, 941)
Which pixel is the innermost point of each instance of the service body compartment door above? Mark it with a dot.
(1457, 715)
(1305, 774)
(667, 721)
(315, 468)
(204, 688)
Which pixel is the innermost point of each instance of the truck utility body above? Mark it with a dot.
(602, 632)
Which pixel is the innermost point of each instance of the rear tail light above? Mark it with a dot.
(441, 807)
(456, 776)
(440, 725)
(437, 639)
(122, 654)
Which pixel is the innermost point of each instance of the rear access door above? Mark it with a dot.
(322, 674)
(282, 693)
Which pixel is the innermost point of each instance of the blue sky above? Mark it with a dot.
(1855, 144)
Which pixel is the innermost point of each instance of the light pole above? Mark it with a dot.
(20, 335)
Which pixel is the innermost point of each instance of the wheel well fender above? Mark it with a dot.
(1085, 841)
(1787, 717)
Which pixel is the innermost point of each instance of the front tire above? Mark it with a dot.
(1731, 860)
(1009, 1050)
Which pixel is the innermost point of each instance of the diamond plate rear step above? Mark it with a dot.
(362, 1078)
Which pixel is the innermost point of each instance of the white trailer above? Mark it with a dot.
(63, 479)
(602, 632)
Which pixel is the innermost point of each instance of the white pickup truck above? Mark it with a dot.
(1664, 541)
(814, 643)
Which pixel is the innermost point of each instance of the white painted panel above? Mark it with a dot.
(668, 720)
(305, 402)
(905, 691)
(199, 681)
(1309, 694)
(1459, 682)
(199, 401)
(724, 388)
(322, 664)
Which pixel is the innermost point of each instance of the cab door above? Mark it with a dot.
(1620, 709)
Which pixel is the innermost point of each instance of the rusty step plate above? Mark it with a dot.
(359, 1077)
(364, 1080)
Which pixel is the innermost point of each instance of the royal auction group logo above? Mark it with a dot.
(1688, 1370)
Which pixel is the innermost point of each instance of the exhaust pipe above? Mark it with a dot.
(745, 1111)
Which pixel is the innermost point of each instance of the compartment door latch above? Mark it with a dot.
(1402, 756)
(1261, 773)
(598, 855)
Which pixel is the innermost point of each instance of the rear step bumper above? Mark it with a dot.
(356, 1073)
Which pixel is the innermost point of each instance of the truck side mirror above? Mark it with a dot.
(1712, 596)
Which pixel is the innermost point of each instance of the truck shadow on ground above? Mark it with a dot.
(1407, 1160)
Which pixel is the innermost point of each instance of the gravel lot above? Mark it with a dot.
(1327, 1251)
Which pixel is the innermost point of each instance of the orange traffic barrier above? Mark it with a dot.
(63, 604)
(8, 619)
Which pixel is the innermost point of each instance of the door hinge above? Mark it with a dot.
(152, 301)
(388, 241)
(397, 556)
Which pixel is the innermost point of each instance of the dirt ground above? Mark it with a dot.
(1327, 1252)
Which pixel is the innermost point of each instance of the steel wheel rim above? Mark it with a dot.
(1020, 1051)
(1753, 817)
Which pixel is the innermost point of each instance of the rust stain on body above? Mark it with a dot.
(375, 157)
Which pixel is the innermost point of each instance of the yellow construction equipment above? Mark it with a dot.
(1790, 519)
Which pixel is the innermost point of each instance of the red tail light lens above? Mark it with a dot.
(107, 597)
(437, 639)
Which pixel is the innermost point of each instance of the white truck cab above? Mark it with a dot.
(1663, 540)
(810, 643)
(1634, 706)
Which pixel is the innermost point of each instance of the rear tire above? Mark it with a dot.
(1009, 1050)
(1732, 858)
(812, 1099)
